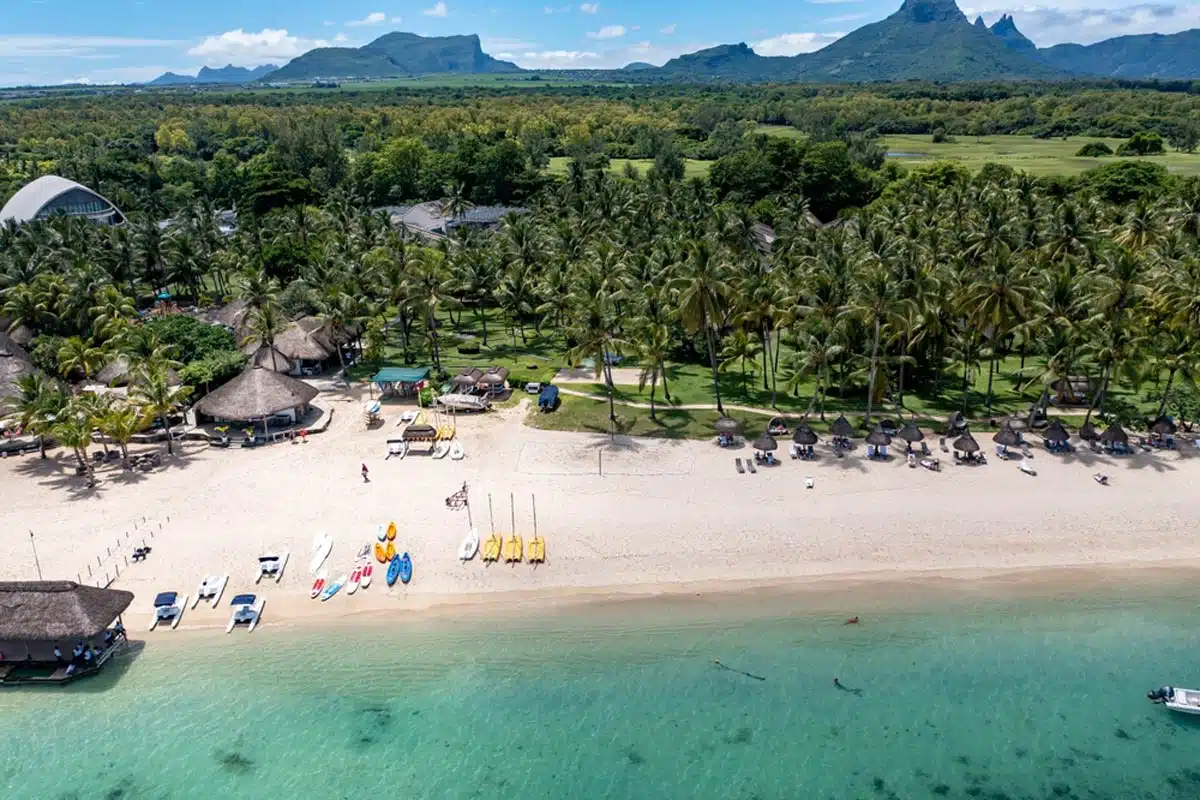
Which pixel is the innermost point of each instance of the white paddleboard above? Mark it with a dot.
(322, 546)
(469, 546)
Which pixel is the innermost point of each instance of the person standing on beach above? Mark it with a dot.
(366, 474)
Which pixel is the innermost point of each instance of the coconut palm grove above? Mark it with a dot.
(805, 272)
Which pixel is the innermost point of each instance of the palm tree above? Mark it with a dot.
(431, 288)
(594, 333)
(876, 302)
(996, 303)
(703, 292)
(111, 312)
(738, 348)
(73, 428)
(653, 348)
(157, 397)
(79, 358)
(36, 406)
(265, 322)
(120, 422)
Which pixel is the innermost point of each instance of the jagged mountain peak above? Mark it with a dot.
(927, 11)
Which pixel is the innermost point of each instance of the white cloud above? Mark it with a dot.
(374, 18)
(1090, 21)
(341, 38)
(790, 44)
(846, 17)
(589, 8)
(635, 27)
(608, 32)
(329, 23)
(551, 59)
(248, 48)
(437, 10)
(557, 10)
(396, 20)
(495, 43)
(37, 46)
(668, 30)
(602, 58)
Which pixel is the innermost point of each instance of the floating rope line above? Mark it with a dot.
(738, 671)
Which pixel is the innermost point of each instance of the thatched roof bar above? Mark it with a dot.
(51, 611)
(258, 392)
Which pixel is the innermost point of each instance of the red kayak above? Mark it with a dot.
(365, 580)
(318, 586)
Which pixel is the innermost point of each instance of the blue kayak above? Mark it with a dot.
(393, 572)
(405, 568)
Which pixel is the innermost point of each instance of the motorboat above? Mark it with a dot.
(1185, 701)
(247, 610)
(210, 589)
(168, 609)
(464, 402)
(271, 566)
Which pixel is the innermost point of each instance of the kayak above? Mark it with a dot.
(355, 577)
(367, 571)
(405, 568)
(381, 553)
(393, 573)
(319, 584)
(380, 532)
(332, 588)
(390, 553)
(391, 531)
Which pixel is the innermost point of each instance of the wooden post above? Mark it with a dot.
(513, 510)
(533, 500)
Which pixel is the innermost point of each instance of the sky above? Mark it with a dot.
(44, 42)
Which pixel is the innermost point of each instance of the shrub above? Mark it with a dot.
(1142, 144)
(468, 347)
(192, 339)
(43, 350)
(1094, 150)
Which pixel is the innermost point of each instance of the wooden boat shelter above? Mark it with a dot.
(38, 616)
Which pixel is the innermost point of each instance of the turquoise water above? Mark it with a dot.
(993, 700)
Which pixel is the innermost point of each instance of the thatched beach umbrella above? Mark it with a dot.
(766, 443)
(966, 443)
(910, 432)
(1055, 432)
(877, 438)
(956, 423)
(1088, 432)
(1006, 437)
(728, 425)
(256, 394)
(804, 435)
(1016, 423)
(1114, 434)
(841, 428)
(119, 373)
(1163, 426)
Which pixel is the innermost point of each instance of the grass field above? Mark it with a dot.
(692, 168)
(539, 358)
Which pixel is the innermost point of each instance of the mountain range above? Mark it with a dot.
(928, 40)
(208, 75)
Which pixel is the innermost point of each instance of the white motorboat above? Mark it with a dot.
(271, 565)
(247, 610)
(441, 449)
(210, 589)
(469, 546)
(457, 452)
(465, 402)
(1184, 701)
(322, 547)
(168, 609)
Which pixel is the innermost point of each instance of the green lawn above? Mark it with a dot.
(783, 131)
(693, 168)
(1035, 156)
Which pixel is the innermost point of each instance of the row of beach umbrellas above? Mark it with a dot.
(1007, 436)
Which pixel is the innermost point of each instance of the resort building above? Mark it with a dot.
(51, 195)
(257, 395)
(432, 220)
(56, 631)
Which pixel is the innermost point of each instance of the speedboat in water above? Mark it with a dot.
(1185, 701)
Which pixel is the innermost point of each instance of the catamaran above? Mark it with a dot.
(210, 590)
(168, 609)
(271, 565)
(247, 610)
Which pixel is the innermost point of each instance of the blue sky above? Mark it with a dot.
(121, 41)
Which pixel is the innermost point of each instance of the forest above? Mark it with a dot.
(802, 274)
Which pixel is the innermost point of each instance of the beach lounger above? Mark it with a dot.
(750, 466)
(808, 483)
(737, 462)
(1027, 468)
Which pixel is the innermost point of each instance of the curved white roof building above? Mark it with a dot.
(50, 195)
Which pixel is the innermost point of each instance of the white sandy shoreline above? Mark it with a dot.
(665, 518)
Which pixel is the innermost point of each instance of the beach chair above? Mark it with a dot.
(808, 483)
(750, 466)
(737, 462)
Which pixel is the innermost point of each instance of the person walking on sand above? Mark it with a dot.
(366, 474)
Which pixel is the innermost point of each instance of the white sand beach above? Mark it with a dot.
(663, 516)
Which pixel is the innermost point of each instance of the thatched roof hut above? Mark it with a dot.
(467, 377)
(495, 376)
(766, 443)
(52, 611)
(297, 342)
(1114, 434)
(119, 373)
(1017, 423)
(841, 428)
(878, 438)
(1006, 437)
(966, 443)
(419, 433)
(910, 432)
(257, 393)
(804, 435)
(956, 423)
(1163, 426)
(270, 358)
(727, 425)
(1056, 432)
(1088, 432)
(15, 364)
